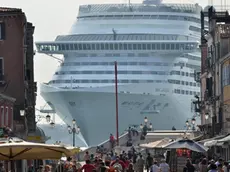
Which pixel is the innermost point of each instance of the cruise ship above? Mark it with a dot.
(156, 47)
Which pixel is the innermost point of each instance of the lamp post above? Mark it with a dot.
(145, 128)
(74, 130)
(190, 124)
(40, 117)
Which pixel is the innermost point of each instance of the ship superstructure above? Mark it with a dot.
(155, 45)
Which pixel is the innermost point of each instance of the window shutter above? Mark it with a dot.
(3, 31)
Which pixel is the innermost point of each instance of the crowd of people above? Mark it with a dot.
(208, 166)
(129, 162)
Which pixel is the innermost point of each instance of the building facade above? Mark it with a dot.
(16, 66)
(215, 81)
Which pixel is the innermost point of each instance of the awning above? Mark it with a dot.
(212, 141)
(225, 139)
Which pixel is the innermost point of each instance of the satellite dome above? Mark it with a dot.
(207, 8)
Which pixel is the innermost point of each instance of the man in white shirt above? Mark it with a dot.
(164, 166)
(155, 167)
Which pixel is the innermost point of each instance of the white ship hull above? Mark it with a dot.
(95, 111)
(156, 47)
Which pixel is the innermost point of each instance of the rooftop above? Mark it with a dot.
(110, 37)
(111, 8)
(7, 9)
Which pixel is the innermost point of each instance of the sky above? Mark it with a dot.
(52, 18)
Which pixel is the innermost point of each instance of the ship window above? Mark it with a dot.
(182, 73)
(75, 47)
(131, 55)
(130, 46)
(88, 46)
(95, 81)
(94, 63)
(186, 83)
(177, 82)
(111, 46)
(123, 63)
(153, 46)
(133, 63)
(125, 46)
(110, 72)
(144, 46)
(134, 81)
(190, 83)
(120, 46)
(187, 92)
(102, 46)
(107, 46)
(104, 81)
(134, 46)
(63, 46)
(182, 82)
(99, 72)
(80, 46)
(139, 47)
(116, 46)
(177, 46)
(67, 46)
(158, 46)
(71, 47)
(86, 72)
(163, 46)
(136, 72)
(148, 46)
(194, 84)
(190, 92)
(168, 46)
(84, 81)
(93, 46)
(97, 46)
(182, 91)
(84, 47)
(125, 81)
(122, 72)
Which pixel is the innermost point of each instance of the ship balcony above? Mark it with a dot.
(145, 45)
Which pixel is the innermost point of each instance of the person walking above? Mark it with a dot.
(140, 164)
(164, 167)
(149, 162)
(189, 167)
(154, 167)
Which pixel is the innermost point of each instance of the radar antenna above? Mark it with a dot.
(114, 34)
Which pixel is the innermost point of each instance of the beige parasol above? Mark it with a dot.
(27, 150)
(156, 144)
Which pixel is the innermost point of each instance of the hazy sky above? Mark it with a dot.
(52, 18)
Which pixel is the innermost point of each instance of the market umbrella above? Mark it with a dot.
(156, 144)
(27, 150)
(186, 144)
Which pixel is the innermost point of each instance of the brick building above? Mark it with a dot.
(16, 66)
